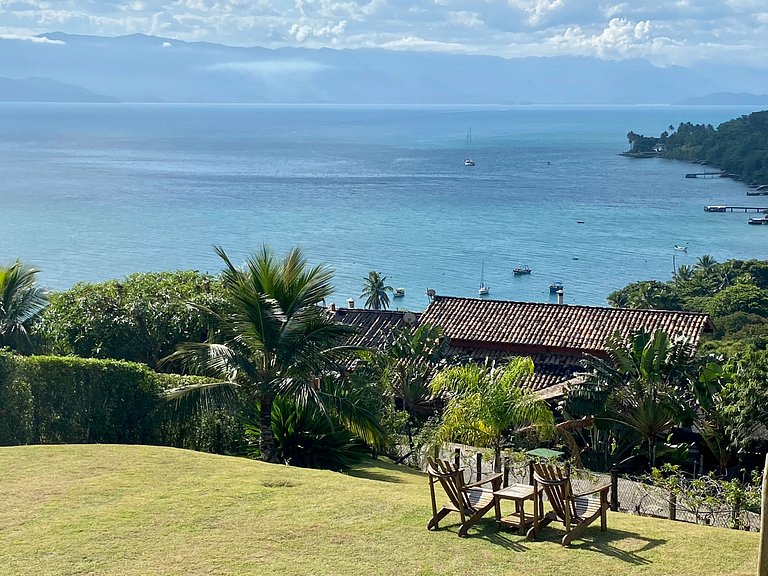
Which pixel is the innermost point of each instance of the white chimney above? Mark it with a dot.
(351, 303)
(560, 296)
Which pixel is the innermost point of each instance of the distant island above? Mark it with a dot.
(738, 147)
(725, 99)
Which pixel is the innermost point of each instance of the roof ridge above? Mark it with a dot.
(554, 304)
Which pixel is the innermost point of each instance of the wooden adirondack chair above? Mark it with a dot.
(471, 501)
(576, 511)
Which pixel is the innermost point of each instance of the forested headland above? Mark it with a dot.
(738, 147)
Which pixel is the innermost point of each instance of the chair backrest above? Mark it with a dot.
(557, 487)
(451, 479)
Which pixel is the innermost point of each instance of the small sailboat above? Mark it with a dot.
(398, 293)
(468, 160)
(483, 290)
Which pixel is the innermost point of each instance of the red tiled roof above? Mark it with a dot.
(536, 327)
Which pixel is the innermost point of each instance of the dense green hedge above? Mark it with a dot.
(54, 399)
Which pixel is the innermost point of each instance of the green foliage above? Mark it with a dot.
(140, 319)
(746, 298)
(739, 146)
(488, 405)
(306, 437)
(21, 302)
(16, 404)
(645, 386)
(82, 400)
(51, 400)
(276, 340)
(745, 396)
(375, 290)
(707, 496)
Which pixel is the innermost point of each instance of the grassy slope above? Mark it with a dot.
(145, 510)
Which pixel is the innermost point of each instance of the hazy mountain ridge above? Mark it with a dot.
(46, 90)
(726, 98)
(147, 68)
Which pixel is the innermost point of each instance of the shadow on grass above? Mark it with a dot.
(606, 543)
(383, 471)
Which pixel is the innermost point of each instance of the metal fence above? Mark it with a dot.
(627, 494)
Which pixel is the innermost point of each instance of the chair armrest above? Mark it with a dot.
(492, 478)
(603, 488)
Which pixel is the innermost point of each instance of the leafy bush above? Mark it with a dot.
(15, 404)
(140, 319)
(50, 399)
(85, 400)
(306, 437)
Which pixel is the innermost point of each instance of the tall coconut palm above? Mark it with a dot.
(683, 274)
(706, 264)
(21, 302)
(275, 340)
(489, 404)
(375, 291)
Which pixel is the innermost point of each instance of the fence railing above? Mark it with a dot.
(627, 494)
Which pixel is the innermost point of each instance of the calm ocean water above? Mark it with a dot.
(91, 192)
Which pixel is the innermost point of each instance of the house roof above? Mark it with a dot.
(376, 327)
(530, 327)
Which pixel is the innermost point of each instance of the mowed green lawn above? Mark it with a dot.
(124, 510)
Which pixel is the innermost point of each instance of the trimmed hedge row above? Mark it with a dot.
(58, 399)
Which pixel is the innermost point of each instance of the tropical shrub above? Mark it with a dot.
(48, 399)
(306, 436)
(140, 319)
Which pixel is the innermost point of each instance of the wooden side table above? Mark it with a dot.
(519, 493)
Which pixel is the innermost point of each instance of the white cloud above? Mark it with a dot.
(664, 31)
(35, 39)
(270, 67)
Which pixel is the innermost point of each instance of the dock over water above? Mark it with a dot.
(705, 175)
(763, 209)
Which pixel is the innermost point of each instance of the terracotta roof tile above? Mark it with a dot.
(548, 327)
(377, 327)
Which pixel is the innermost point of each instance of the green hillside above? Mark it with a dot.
(128, 510)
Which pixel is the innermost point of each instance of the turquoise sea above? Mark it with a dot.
(91, 192)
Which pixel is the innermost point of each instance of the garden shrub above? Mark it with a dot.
(16, 404)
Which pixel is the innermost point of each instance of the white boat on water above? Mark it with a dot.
(680, 248)
(398, 293)
(483, 290)
(468, 160)
(555, 287)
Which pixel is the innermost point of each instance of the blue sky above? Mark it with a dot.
(683, 32)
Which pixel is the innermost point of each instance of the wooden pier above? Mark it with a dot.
(762, 209)
(705, 175)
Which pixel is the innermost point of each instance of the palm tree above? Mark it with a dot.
(490, 404)
(646, 384)
(683, 274)
(705, 264)
(275, 340)
(375, 291)
(21, 302)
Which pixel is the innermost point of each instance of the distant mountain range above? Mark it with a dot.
(726, 98)
(140, 68)
(46, 90)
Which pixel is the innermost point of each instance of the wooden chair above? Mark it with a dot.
(470, 500)
(576, 511)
